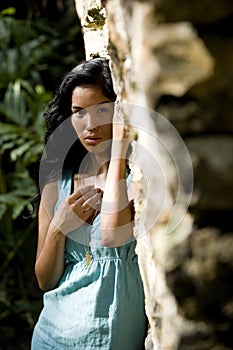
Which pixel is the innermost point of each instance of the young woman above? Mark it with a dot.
(86, 261)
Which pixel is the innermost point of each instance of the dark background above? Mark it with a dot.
(39, 42)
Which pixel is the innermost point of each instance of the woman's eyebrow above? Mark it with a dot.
(100, 103)
(76, 108)
(79, 108)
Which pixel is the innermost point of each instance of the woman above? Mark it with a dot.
(86, 261)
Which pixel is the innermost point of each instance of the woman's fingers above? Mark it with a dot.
(93, 202)
(85, 199)
(77, 208)
(81, 194)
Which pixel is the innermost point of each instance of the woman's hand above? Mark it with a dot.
(116, 211)
(77, 208)
(120, 136)
(119, 131)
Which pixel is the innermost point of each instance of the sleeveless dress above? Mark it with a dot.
(99, 306)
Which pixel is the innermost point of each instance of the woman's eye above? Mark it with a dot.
(80, 113)
(101, 110)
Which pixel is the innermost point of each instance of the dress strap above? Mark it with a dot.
(128, 178)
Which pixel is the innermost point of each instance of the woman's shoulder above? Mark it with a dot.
(50, 186)
(49, 197)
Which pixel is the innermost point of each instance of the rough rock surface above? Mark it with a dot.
(176, 59)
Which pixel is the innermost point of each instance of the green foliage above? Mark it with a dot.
(23, 148)
(21, 109)
(21, 129)
(22, 49)
(31, 58)
(23, 97)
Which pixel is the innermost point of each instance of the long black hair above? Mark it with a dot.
(62, 148)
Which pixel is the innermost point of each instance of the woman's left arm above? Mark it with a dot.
(117, 211)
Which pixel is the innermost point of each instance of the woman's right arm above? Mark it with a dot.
(71, 213)
(51, 242)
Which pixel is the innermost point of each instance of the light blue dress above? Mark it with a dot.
(96, 307)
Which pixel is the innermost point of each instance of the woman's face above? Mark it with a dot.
(92, 114)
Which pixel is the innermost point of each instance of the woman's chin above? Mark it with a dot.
(101, 148)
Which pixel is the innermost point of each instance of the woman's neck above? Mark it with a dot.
(94, 164)
(99, 162)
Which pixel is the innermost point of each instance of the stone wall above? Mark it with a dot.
(176, 59)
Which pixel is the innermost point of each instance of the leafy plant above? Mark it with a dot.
(31, 60)
(21, 109)
(22, 100)
(21, 144)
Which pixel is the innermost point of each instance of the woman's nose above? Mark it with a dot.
(91, 122)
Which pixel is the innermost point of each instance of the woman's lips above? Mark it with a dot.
(92, 140)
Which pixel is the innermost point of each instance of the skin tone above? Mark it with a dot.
(106, 141)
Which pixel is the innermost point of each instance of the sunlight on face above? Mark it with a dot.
(92, 114)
